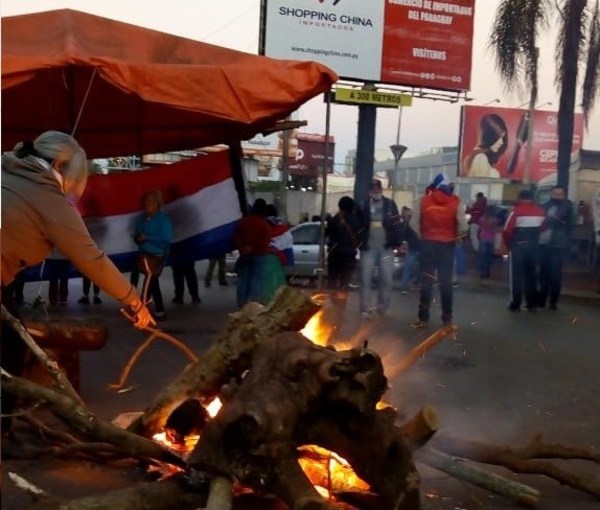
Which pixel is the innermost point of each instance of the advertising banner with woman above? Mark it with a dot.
(493, 142)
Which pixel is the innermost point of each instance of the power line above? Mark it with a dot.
(223, 27)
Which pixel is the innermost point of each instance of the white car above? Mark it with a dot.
(306, 253)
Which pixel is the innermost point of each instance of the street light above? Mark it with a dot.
(491, 102)
(398, 151)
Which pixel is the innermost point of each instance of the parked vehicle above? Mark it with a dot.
(306, 253)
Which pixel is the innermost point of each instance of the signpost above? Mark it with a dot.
(374, 97)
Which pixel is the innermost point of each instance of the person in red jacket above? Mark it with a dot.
(252, 238)
(476, 210)
(443, 222)
(521, 236)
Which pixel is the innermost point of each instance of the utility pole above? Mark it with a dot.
(365, 148)
(285, 172)
(324, 171)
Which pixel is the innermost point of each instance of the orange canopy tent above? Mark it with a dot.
(123, 89)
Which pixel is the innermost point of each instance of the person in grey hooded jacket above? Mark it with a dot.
(38, 177)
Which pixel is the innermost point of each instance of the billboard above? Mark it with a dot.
(310, 155)
(420, 43)
(493, 142)
(270, 145)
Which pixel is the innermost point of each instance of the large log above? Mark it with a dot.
(420, 427)
(295, 394)
(230, 355)
(63, 340)
(62, 334)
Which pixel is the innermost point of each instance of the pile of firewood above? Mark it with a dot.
(280, 392)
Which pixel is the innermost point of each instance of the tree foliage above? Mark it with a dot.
(514, 40)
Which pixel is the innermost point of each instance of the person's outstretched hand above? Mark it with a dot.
(140, 315)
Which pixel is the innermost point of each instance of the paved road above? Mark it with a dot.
(505, 377)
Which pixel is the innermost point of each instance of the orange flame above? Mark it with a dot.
(325, 469)
(328, 471)
(317, 330)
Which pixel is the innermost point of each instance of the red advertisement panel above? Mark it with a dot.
(428, 43)
(494, 142)
(310, 155)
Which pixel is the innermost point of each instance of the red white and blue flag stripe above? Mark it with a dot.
(198, 194)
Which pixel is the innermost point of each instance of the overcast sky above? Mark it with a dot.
(235, 24)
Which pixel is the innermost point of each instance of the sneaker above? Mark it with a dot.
(177, 301)
(418, 324)
(84, 300)
(196, 301)
(513, 308)
(366, 316)
(207, 284)
(63, 303)
(223, 284)
(553, 306)
(160, 316)
(448, 322)
(97, 300)
(404, 292)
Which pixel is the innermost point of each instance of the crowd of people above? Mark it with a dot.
(537, 239)
(377, 231)
(41, 181)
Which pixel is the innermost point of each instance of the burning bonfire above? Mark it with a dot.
(295, 424)
(271, 408)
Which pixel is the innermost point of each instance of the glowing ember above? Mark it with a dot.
(214, 407)
(328, 470)
(190, 440)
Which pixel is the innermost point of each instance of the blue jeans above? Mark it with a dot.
(251, 277)
(383, 258)
(410, 260)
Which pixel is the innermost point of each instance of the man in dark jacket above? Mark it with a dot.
(443, 222)
(554, 246)
(521, 235)
(343, 234)
(380, 236)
